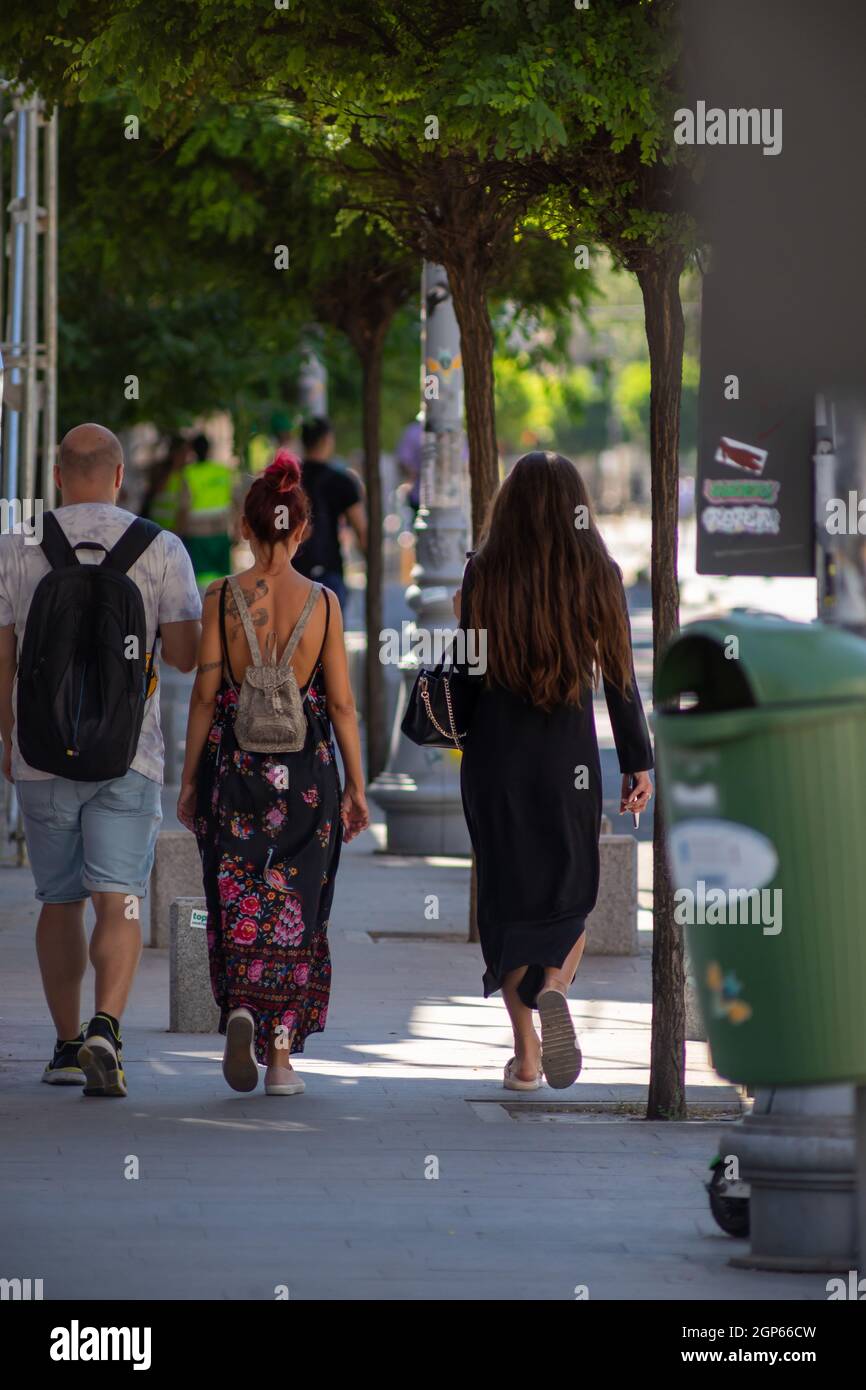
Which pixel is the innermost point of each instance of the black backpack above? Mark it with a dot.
(83, 670)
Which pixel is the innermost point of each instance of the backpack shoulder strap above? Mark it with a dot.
(55, 545)
(246, 620)
(312, 600)
(132, 544)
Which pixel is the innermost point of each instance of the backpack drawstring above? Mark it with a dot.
(276, 702)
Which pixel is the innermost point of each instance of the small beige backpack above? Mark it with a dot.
(270, 713)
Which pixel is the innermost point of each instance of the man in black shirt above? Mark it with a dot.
(333, 494)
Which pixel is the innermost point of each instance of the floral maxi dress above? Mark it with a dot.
(269, 834)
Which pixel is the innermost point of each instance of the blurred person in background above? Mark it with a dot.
(162, 503)
(409, 454)
(334, 495)
(283, 429)
(205, 512)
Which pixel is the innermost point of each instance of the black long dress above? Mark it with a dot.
(534, 827)
(269, 854)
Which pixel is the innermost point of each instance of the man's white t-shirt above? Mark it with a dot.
(164, 574)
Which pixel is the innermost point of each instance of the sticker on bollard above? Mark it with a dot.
(198, 918)
(722, 854)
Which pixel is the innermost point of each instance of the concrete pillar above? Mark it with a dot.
(419, 790)
(797, 1152)
(191, 1002)
(176, 873)
(611, 928)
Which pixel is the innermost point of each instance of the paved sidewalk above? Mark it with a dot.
(328, 1193)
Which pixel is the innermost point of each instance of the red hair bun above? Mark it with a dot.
(285, 471)
(276, 504)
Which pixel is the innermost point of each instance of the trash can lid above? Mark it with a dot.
(746, 659)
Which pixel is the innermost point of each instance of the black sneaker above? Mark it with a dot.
(100, 1059)
(64, 1069)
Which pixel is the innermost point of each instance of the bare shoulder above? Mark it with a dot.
(333, 605)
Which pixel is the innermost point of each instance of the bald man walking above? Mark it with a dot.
(83, 616)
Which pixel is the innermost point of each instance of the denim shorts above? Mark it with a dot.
(90, 837)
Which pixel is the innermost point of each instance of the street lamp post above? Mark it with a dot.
(28, 331)
(419, 790)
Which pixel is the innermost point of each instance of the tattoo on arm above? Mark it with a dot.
(209, 666)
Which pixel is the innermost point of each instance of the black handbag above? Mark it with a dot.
(440, 707)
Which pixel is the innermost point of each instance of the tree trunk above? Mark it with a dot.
(476, 347)
(374, 675)
(659, 281)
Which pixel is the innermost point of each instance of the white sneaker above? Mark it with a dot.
(240, 1068)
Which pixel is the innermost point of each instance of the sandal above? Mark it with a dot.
(561, 1058)
(513, 1083)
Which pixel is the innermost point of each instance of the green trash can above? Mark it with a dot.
(762, 779)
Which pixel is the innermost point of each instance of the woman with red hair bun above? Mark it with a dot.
(271, 666)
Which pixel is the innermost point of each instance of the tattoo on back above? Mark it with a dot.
(250, 596)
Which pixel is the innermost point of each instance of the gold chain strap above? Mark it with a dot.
(425, 700)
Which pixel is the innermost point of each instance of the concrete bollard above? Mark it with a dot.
(176, 874)
(797, 1153)
(191, 1002)
(611, 929)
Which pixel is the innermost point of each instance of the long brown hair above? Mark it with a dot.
(546, 590)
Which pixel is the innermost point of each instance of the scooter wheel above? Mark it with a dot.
(730, 1213)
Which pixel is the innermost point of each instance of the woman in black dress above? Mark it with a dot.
(544, 589)
(269, 826)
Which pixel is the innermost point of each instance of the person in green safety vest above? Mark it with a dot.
(162, 504)
(207, 495)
